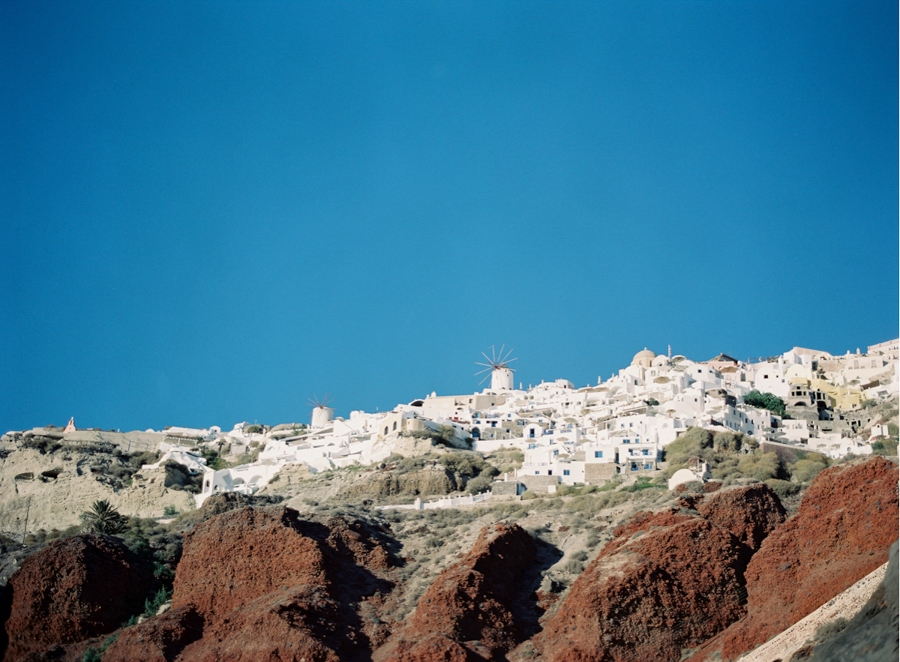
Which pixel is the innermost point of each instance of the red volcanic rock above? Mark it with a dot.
(280, 586)
(846, 523)
(751, 513)
(158, 639)
(73, 589)
(350, 538)
(469, 611)
(665, 582)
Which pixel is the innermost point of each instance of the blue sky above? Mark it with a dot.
(211, 211)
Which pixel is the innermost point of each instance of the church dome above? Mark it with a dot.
(644, 357)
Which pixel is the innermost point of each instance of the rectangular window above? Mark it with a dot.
(598, 453)
(565, 472)
(555, 453)
(537, 473)
(646, 451)
(648, 466)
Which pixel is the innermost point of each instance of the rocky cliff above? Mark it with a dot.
(715, 572)
(667, 581)
(845, 527)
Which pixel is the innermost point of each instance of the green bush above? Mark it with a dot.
(479, 484)
(783, 488)
(467, 464)
(642, 483)
(765, 401)
(96, 654)
(734, 442)
(886, 447)
(170, 511)
(761, 466)
(690, 444)
(152, 605)
(808, 467)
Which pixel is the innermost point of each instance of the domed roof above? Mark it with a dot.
(644, 355)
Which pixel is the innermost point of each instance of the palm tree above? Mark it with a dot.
(103, 518)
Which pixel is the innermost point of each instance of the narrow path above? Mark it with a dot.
(846, 605)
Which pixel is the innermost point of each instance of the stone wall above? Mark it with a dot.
(597, 473)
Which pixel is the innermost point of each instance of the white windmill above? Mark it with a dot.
(322, 414)
(501, 375)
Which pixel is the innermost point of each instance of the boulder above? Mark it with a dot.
(473, 609)
(751, 513)
(284, 588)
(73, 589)
(665, 582)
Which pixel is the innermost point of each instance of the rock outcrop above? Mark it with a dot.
(284, 588)
(665, 582)
(846, 523)
(50, 489)
(74, 589)
(871, 635)
(426, 482)
(265, 583)
(751, 513)
(475, 607)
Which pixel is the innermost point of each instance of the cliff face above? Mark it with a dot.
(74, 589)
(77, 476)
(844, 529)
(476, 607)
(282, 588)
(720, 572)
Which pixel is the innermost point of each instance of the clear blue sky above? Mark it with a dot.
(211, 211)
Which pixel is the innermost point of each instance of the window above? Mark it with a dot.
(395, 425)
(598, 453)
(634, 467)
(555, 453)
(648, 466)
(565, 472)
(537, 473)
(646, 451)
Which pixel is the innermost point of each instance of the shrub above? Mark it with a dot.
(734, 442)
(807, 468)
(886, 447)
(690, 444)
(829, 629)
(96, 654)
(479, 484)
(152, 605)
(783, 488)
(467, 464)
(761, 466)
(642, 483)
(528, 494)
(765, 401)
(170, 511)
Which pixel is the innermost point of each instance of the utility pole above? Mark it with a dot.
(25, 528)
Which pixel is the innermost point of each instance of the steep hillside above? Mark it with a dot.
(582, 577)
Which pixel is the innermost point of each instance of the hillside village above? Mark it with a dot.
(708, 483)
(617, 428)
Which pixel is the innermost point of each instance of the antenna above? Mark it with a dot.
(496, 361)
